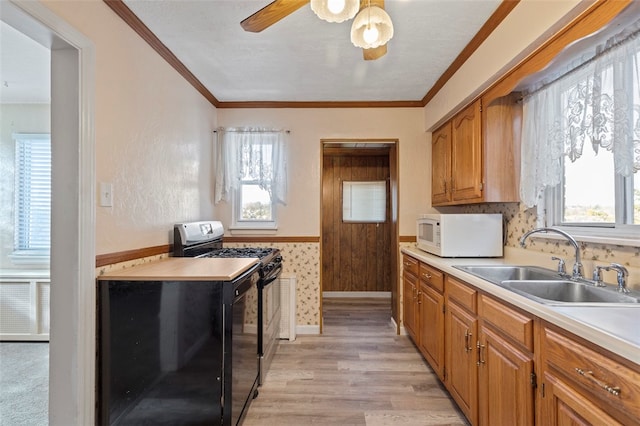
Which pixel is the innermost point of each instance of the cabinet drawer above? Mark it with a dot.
(463, 294)
(512, 323)
(602, 377)
(409, 264)
(432, 277)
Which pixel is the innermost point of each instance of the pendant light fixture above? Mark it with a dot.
(371, 28)
(335, 10)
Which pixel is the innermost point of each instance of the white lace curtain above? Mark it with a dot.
(251, 154)
(597, 103)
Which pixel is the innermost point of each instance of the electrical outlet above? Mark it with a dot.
(106, 194)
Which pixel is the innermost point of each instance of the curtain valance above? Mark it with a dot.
(251, 154)
(597, 103)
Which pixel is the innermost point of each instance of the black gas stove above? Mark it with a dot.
(205, 239)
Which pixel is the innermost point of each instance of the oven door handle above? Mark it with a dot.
(273, 276)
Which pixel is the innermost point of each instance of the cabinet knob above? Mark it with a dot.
(427, 275)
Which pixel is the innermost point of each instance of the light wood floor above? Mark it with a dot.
(359, 372)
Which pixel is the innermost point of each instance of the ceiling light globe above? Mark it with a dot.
(335, 10)
(370, 35)
(335, 6)
(370, 20)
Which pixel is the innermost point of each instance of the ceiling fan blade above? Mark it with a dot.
(270, 14)
(375, 53)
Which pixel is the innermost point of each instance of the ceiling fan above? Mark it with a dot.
(279, 9)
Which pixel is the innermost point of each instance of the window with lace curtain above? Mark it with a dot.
(581, 142)
(251, 175)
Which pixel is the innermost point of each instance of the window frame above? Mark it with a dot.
(22, 254)
(552, 209)
(239, 223)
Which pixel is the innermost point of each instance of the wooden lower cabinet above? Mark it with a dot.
(409, 304)
(563, 405)
(505, 392)
(584, 384)
(461, 360)
(431, 342)
(487, 353)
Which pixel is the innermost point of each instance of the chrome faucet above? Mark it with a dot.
(623, 273)
(622, 277)
(577, 266)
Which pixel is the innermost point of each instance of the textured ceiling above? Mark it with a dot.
(302, 58)
(24, 68)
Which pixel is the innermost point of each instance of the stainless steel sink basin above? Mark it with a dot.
(565, 291)
(548, 287)
(499, 273)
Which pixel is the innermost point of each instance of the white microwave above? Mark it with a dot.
(460, 235)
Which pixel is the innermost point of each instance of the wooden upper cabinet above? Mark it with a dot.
(466, 155)
(441, 165)
(476, 155)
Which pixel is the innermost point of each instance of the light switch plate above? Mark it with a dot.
(106, 194)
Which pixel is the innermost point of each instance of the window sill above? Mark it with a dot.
(247, 230)
(594, 239)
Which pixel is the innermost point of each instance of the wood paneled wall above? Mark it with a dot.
(355, 256)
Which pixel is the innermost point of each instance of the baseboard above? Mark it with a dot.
(356, 294)
(307, 329)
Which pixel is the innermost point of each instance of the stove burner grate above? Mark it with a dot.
(239, 252)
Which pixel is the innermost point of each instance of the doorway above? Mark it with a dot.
(72, 265)
(359, 254)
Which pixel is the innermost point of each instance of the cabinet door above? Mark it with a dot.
(462, 370)
(441, 165)
(431, 317)
(409, 304)
(466, 154)
(564, 405)
(505, 392)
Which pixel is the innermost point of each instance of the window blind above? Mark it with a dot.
(364, 201)
(32, 193)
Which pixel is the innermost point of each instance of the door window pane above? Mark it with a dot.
(364, 201)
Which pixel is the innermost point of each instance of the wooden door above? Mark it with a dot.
(461, 357)
(505, 393)
(441, 165)
(466, 154)
(355, 256)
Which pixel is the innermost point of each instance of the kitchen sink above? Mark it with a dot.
(565, 291)
(499, 273)
(549, 287)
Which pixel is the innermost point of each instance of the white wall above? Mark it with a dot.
(301, 217)
(15, 118)
(154, 134)
(515, 38)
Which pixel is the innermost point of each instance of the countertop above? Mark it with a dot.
(184, 269)
(613, 328)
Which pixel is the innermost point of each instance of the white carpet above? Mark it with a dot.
(24, 383)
